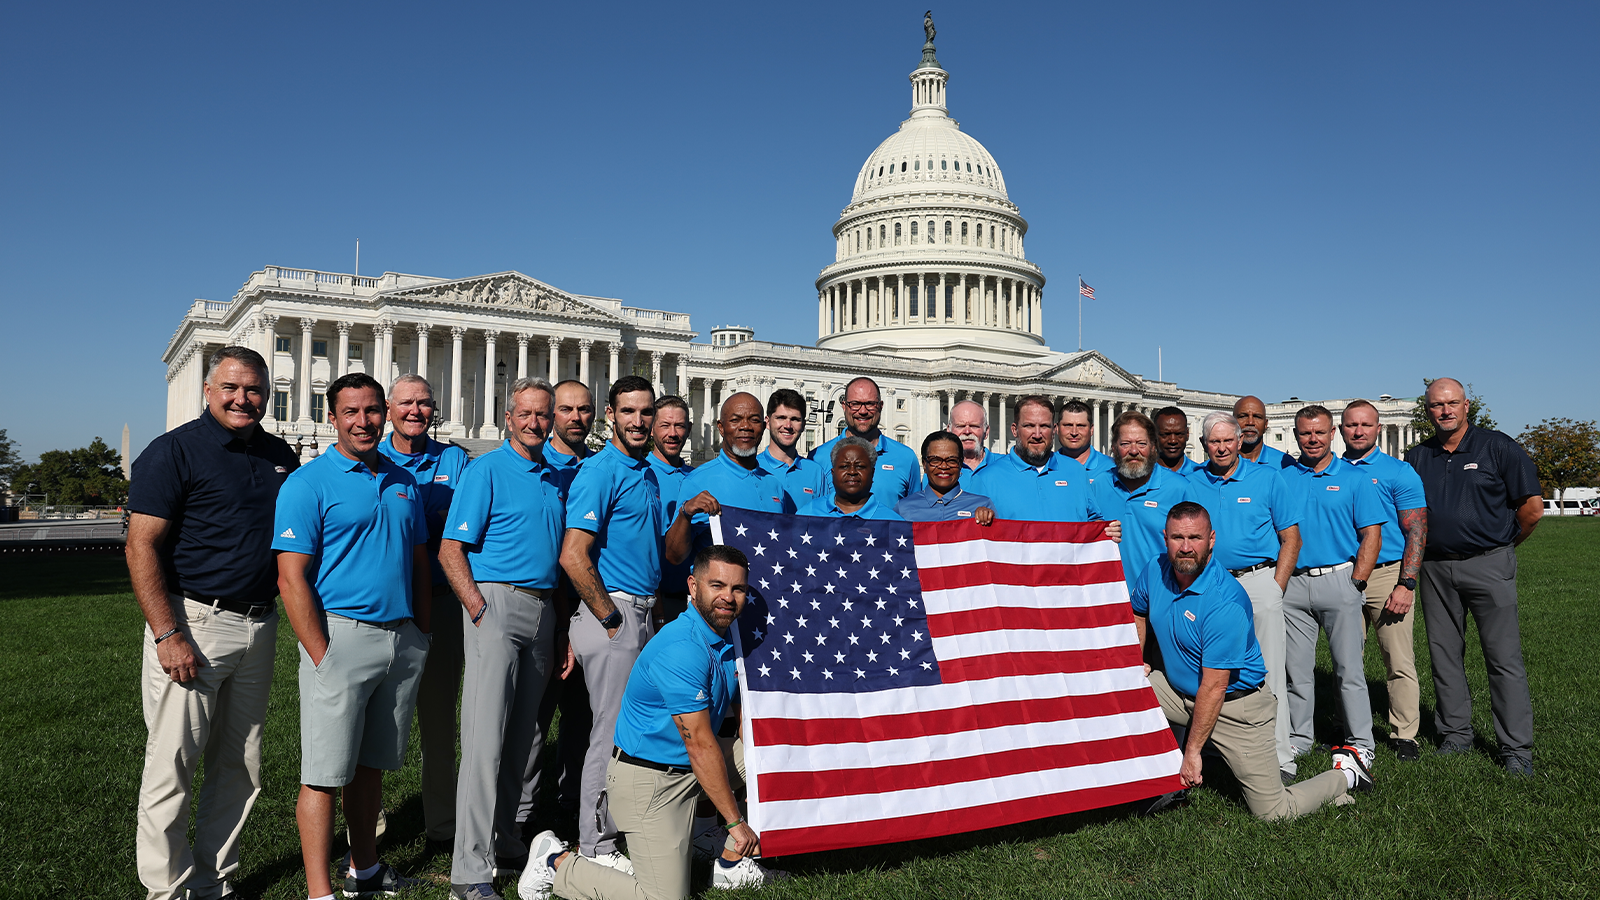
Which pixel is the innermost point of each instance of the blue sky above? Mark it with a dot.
(1290, 200)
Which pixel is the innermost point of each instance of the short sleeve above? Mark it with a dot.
(589, 497)
(469, 509)
(1408, 493)
(1223, 643)
(1288, 506)
(157, 488)
(683, 681)
(1520, 473)
(1369, 508)
(297, 524)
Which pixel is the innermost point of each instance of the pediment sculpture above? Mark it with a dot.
(511, 292)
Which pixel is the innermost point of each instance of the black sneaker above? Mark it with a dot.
(385, 882)
(1352, 758)
(1452, 748)
(1519, 767)
(1286, 776)
(1404, 750)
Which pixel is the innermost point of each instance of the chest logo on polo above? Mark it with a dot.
(1151, 503)
(808, 490)
(1333, 487)
(1061, 484)
(1374, 481)
(280, 470)
(1243, 500)
(1188, 615)
(439, 478)
(401, 495)
(964, 513)
(287, 533)
(1469, 466)
(888, 467)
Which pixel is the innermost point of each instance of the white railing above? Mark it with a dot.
(218, 306)
(673, 320)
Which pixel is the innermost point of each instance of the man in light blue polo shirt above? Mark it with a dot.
(733, 477)
(944, 499)
(1341, 531)
(969, 421)
(503, 540)
(437, 468)
(1138, 492)
(669, 434)
(1172, 441)
(897, 473)
(567, 446)
(1075, 434)
(1256, 517)
(1033, 483)
(1251, 414)
(1391, 589)
(352, 547)
(852, 496)
(1211, 684)
(803, 479)
(612, 553)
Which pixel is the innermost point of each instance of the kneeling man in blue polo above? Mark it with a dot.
(352, 546)
(666, 754)
(1212, 682)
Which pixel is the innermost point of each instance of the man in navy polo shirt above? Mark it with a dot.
(612, 553)
(199, 534)
(1212, 683)
(897, 473)
(352, 546)
(944, 499)
(1138, 492)
(1075, 433)
(437, 468)
(803, 479)
(734, 477)
(1392, 586)
(1483, 500)
(852, 495)
(669, 435)
(1251, 414)
(667, 754)
(1341, 530)
(969, 421)
(1032, 482)
(567, 447)
(1257, 521)
(501, 549)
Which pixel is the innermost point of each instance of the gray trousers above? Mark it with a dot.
(1267, 603)
(1332, 602)
(508, 662)
(1486, 587)
(607, 663)
(436, 716)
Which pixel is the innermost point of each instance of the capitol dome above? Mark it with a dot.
(929, 255)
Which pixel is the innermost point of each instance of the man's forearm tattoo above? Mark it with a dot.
(1415, 524)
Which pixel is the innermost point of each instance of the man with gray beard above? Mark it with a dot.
(1138, 492)
(734, 477)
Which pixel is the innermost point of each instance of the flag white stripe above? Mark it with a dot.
(1024, 596)
(931, 697)
(1034, 640)
(1016, 553)
(813, 813)
(958, 745)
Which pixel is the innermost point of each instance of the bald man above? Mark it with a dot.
(735, 477)
(1483, 499)
(1252, 416)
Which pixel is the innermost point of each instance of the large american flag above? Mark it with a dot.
(905, 681)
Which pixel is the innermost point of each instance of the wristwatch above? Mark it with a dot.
(1409, 584)
(1360, 584)
(612, 621)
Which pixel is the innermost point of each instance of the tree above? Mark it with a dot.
(9, 461)
(88, 476)
(1477, 412)
(1566, 451)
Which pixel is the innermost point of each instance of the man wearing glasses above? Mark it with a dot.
(897, 472)
(944, 499)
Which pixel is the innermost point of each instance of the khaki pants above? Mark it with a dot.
(1243, 735)
(1266, 602)
(1399, 651)
(219, 714)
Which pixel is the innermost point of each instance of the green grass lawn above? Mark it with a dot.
(72, 738)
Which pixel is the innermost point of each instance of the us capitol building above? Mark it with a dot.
(930, 293)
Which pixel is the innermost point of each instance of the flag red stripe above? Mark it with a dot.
(1011, 531)
(778, 786)
(814, 838)
(814, 731)
(948, 578)
(972, 621)
(1001, 665)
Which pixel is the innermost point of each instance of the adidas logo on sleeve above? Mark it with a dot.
(287, 533)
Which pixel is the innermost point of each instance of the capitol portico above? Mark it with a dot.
(929, 293)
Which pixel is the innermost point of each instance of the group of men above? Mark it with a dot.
(545, 575)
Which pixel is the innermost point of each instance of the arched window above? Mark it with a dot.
(902, 166)
(963, 232)
(897, 234)
(917, 165)
(880, 171)
(913, 232)
(869, 237)
(969, 167)
(947, 227)
(991, 236)
(858, 240)
(930, 231)
(944, 165)
(883, 235)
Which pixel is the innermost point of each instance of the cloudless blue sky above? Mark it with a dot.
(1289, 199)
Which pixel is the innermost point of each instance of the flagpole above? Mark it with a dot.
(1080, 311)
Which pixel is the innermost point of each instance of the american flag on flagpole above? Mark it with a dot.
(1085, 290)
(906, 681)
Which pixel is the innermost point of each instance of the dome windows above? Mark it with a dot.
(917, 166)
(963, 232)
(930, 231)
(883, 234)
(944, 164)
(947, 228)
(902, 166)
(914, 231)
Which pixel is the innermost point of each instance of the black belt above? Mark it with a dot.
(1248, 569)
(1431, 556)
(621, 755)
(541, 593)
(242, 607)
(1240, 694)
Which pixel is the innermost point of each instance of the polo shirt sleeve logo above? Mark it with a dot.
(590, 516)
(287, 533)
(463, 527)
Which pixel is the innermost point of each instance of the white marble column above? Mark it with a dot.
(269, 340)
(707, 418)
(682, 365)
(303, 392)
(553, 371)
(457, 332)
(422, 349)
(384, 370)
(655, 371)
(344, 349)
(584, 345)
(489, 430)
(522, 355)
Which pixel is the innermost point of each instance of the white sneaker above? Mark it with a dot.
(709, 838)
(539, 878)
(615, 860)
(744, 873)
